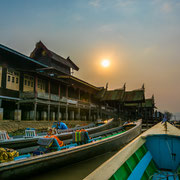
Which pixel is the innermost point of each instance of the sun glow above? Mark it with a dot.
(105, 63)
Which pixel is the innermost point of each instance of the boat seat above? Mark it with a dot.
(107, 131)
(22, 157)
(94, 139)
(29, 133)
(138, 171)
(55, 145)
(68, 146)
(4, 136)
(80, 137)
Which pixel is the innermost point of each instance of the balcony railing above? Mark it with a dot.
(69, 100)
(31, 95)
(54, 97)
(27, 95)
(76, 102)
(63, 99)
(41, 95)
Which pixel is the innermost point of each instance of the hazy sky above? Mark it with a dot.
(140, 37)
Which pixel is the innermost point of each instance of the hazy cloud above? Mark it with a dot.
(78, 17)
(122, 3)
(94, 3)
(166, 7)
(106, 28)
(149, 50)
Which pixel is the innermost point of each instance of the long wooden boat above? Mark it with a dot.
(112, 139)
(22, 142)
(155, 154)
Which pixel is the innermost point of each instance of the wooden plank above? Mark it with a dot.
(106, 170)
(113, 164)
(141, 167)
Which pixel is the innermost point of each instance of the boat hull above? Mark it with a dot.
(69, 156)
(152, 155)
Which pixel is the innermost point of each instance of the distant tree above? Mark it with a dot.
(168, 115)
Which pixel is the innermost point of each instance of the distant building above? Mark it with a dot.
(128, 103)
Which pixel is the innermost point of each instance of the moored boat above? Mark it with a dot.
(155, 154)
(68, 154)
(23, 141)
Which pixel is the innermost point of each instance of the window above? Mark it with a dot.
(28, 81)
(12, 79)
(9, 78)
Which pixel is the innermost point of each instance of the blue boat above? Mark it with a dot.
(155, 154)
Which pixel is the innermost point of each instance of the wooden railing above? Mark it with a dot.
(41, 95)
(54, 97)
(27, 95)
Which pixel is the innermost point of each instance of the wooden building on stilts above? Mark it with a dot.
(43, 87)
(129, 105)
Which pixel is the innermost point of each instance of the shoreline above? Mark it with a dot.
(12, 126)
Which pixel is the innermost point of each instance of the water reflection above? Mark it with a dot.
(76, 171)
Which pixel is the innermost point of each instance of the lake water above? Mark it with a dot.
(76, 171)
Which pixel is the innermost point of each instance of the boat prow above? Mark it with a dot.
(152, 155)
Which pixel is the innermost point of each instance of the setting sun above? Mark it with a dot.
(105, 63)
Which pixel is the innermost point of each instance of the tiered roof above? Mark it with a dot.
(134, 96)
(113, 95)
(121, 95)
(46, 52)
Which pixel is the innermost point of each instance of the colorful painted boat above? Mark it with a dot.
(112, 139)
(155, 154)
(22, 142)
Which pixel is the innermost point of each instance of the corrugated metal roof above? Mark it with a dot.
(64, 61)
(21, 55)
(11, 98)
(134, 96)
(78, 80)
(113, 95)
